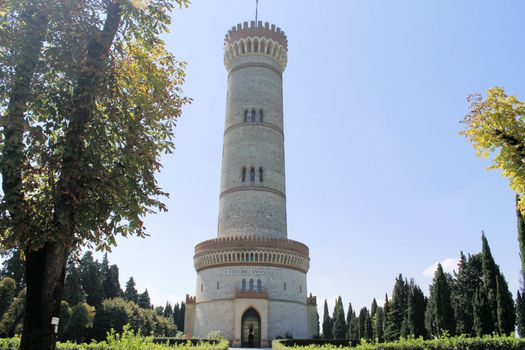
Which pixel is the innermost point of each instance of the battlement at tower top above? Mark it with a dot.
(256, 29)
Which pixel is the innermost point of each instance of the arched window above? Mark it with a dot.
(252, 174)
(259, 286)
(243, 284)
(243, 176)
(251, 284)
(254, 115)
(260, 174)
(261, 116)
(245, 115)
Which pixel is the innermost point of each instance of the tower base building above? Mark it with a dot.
(251, 280)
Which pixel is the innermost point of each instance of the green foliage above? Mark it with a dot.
(90, 279)
(13, 267)
(81, 321)
(443, 343)
(131, 293)
(65, 317)
(339, 325)
(396, 309)
(327, 323)
(520, 314)
(468, 280)
(73, 292)
(440, 314)
(12, 319)
(414, 321)
(7, 294)
(144, 300)
(496, 126)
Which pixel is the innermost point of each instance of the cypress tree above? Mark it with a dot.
(327, 322)
(414, 324)
(168, 310)
(369, 331)
(131, 293)
(468, 279)
(521, 239)
(144, 300)
(73, 292)
(396, 310)
(506, 311)
(182, 314)
(362, 323)
(348, 320)
(111, 283)
(386, 309)
(490, 273)
(90, 278)
(373, 312)
(440, 314)
(378, 323)
(520, 314)
(482, 315)
(339, 327)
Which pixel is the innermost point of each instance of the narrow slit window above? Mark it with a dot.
(243, 176)
(260, 174)
(252, 174)
(261, 116)
(251, 284)
(245, 115)
(217, 284)
(254, 115)
(243, 285)
(259, 286)
(284, 286)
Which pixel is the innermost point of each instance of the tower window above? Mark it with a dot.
(217, 284)
(251, 284)
(300, 289)
(260, 174)
(243, 285)
(254, 115)
(259, 286)
(252, 174)
(261, 116)
(245, 115)
(202, 287)
(284, 286)
(243, 175)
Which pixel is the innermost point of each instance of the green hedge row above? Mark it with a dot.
(452, 343)
(128, 340)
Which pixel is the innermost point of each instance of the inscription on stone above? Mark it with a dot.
(251, 271)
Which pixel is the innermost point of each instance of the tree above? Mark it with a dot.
(89, 100)
(364, 324)
(482, 315)
(144, 300)
(81, 321)
(13, 267)
(440, 312)
(327, 323)
(468, 280)
(520, 314)
(182, 314)
(168, 310)
(11, 322)
(396, 309)
(506, 312)
(65, 317)
(378, 323)
(7, 294)
(131, 293)
(496, 126)
(339, 325)
(520, 302)
(90, 278)
(490, 272)
(112, 314)
(73, 292)
(349, 312)
(414, 322)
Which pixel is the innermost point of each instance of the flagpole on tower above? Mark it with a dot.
(256, 10)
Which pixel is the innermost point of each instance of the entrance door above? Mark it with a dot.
(251, 329)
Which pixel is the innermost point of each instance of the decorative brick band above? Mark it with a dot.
(242, 251)
(257, 65)
(251, 124)
(244, 293)
(252, 188)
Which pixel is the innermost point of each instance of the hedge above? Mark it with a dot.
(452, 343)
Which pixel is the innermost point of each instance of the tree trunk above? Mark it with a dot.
(45, 272)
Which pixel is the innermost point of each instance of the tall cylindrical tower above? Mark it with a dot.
(251, 279)
(252, 199)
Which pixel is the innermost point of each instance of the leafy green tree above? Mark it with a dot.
(13, 267)
(482, 315)
(144, 300)
(81, 322)
(131, 293)
(396, 309)
(506, 312)
(73, 292)
(112, 314)
(327, 323)
(7, 294)
(339, 325)
(440, 316)
(11, 322)
(89, 100)
(65, 317)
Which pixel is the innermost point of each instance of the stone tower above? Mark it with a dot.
(251, 279)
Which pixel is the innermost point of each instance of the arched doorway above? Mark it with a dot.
(251, 329)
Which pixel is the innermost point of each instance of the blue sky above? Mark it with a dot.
(379, 181)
